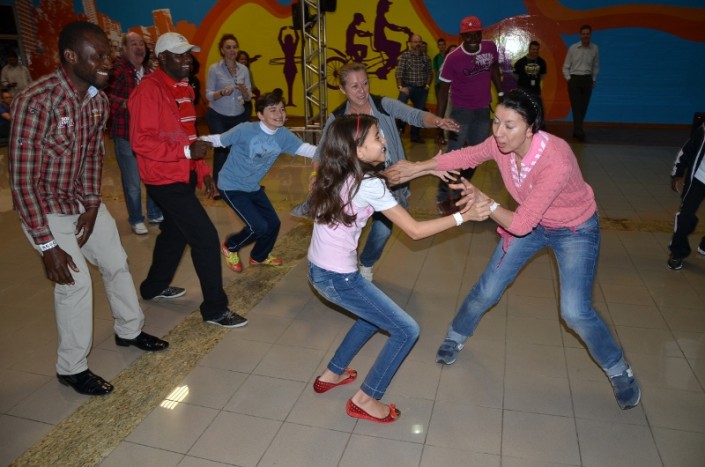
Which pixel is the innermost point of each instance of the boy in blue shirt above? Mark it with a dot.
(254, 147)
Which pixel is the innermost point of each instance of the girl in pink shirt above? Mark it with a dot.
(347, 191)
(556, 210)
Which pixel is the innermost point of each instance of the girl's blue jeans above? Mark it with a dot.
(376, 312)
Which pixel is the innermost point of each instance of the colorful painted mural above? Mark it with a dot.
(652, 55)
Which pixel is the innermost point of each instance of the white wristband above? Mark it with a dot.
(458, 218)
(48, 245)
(493, 206)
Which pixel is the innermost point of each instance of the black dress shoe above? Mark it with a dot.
(86, 382)
(144, 342)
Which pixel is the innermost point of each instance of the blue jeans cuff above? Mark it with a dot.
(616, 369)
(455, 337)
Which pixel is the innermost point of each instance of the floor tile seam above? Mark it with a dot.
(319, 427)
(29, 419)
(259, 417)
(668, 327)
(571, 377)
(153, 447)
(463, 449)
(651, 426)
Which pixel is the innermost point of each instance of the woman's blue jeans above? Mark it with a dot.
(576, 251)
(380, 231)
(376, 312)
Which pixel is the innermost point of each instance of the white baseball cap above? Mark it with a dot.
(174, 43)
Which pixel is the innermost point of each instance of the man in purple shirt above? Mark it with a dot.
(468, 73)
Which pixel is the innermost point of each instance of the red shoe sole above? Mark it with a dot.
(356, 412)
(321, 386)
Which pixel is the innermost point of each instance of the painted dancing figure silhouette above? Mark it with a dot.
(289, 44)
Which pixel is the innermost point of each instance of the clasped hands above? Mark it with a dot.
(199, 149)
(474, 204)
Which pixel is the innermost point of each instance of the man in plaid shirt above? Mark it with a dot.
(414, 76)
(56, 160)
(127, 73)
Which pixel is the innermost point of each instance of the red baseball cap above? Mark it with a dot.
(470, 24)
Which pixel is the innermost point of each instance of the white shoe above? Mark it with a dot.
(366, 272)
(140, 229)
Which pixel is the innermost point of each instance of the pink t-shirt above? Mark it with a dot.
(334, 247)
(470, 76)
(553, 193)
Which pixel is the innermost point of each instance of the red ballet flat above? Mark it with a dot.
(356, 412)
(321, 386)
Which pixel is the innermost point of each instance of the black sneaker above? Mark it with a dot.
(171, 292)
(675, 263)
(230, 319)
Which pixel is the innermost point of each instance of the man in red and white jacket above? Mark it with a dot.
(170, 160)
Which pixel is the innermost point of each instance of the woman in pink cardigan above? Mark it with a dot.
(555, 209)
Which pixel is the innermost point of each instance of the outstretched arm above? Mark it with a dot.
(404, 170)
(476, 211)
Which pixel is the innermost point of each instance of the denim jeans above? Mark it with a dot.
(380, 231)
(576, 251)
(261, 222)
(418, 96)
(132, 185)
(474, 129)
(376, 312)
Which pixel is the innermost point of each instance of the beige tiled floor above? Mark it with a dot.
(524, 392)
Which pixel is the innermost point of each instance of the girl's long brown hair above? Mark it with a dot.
(339, 162)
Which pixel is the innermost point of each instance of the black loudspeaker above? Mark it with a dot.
(328, 6)
(698, 119)
(296, 15)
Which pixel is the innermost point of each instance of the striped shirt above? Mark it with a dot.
(56, 151)
(183, 94)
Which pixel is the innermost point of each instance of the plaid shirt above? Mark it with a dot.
(414, 69)
(123, 81)
(56, 151)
